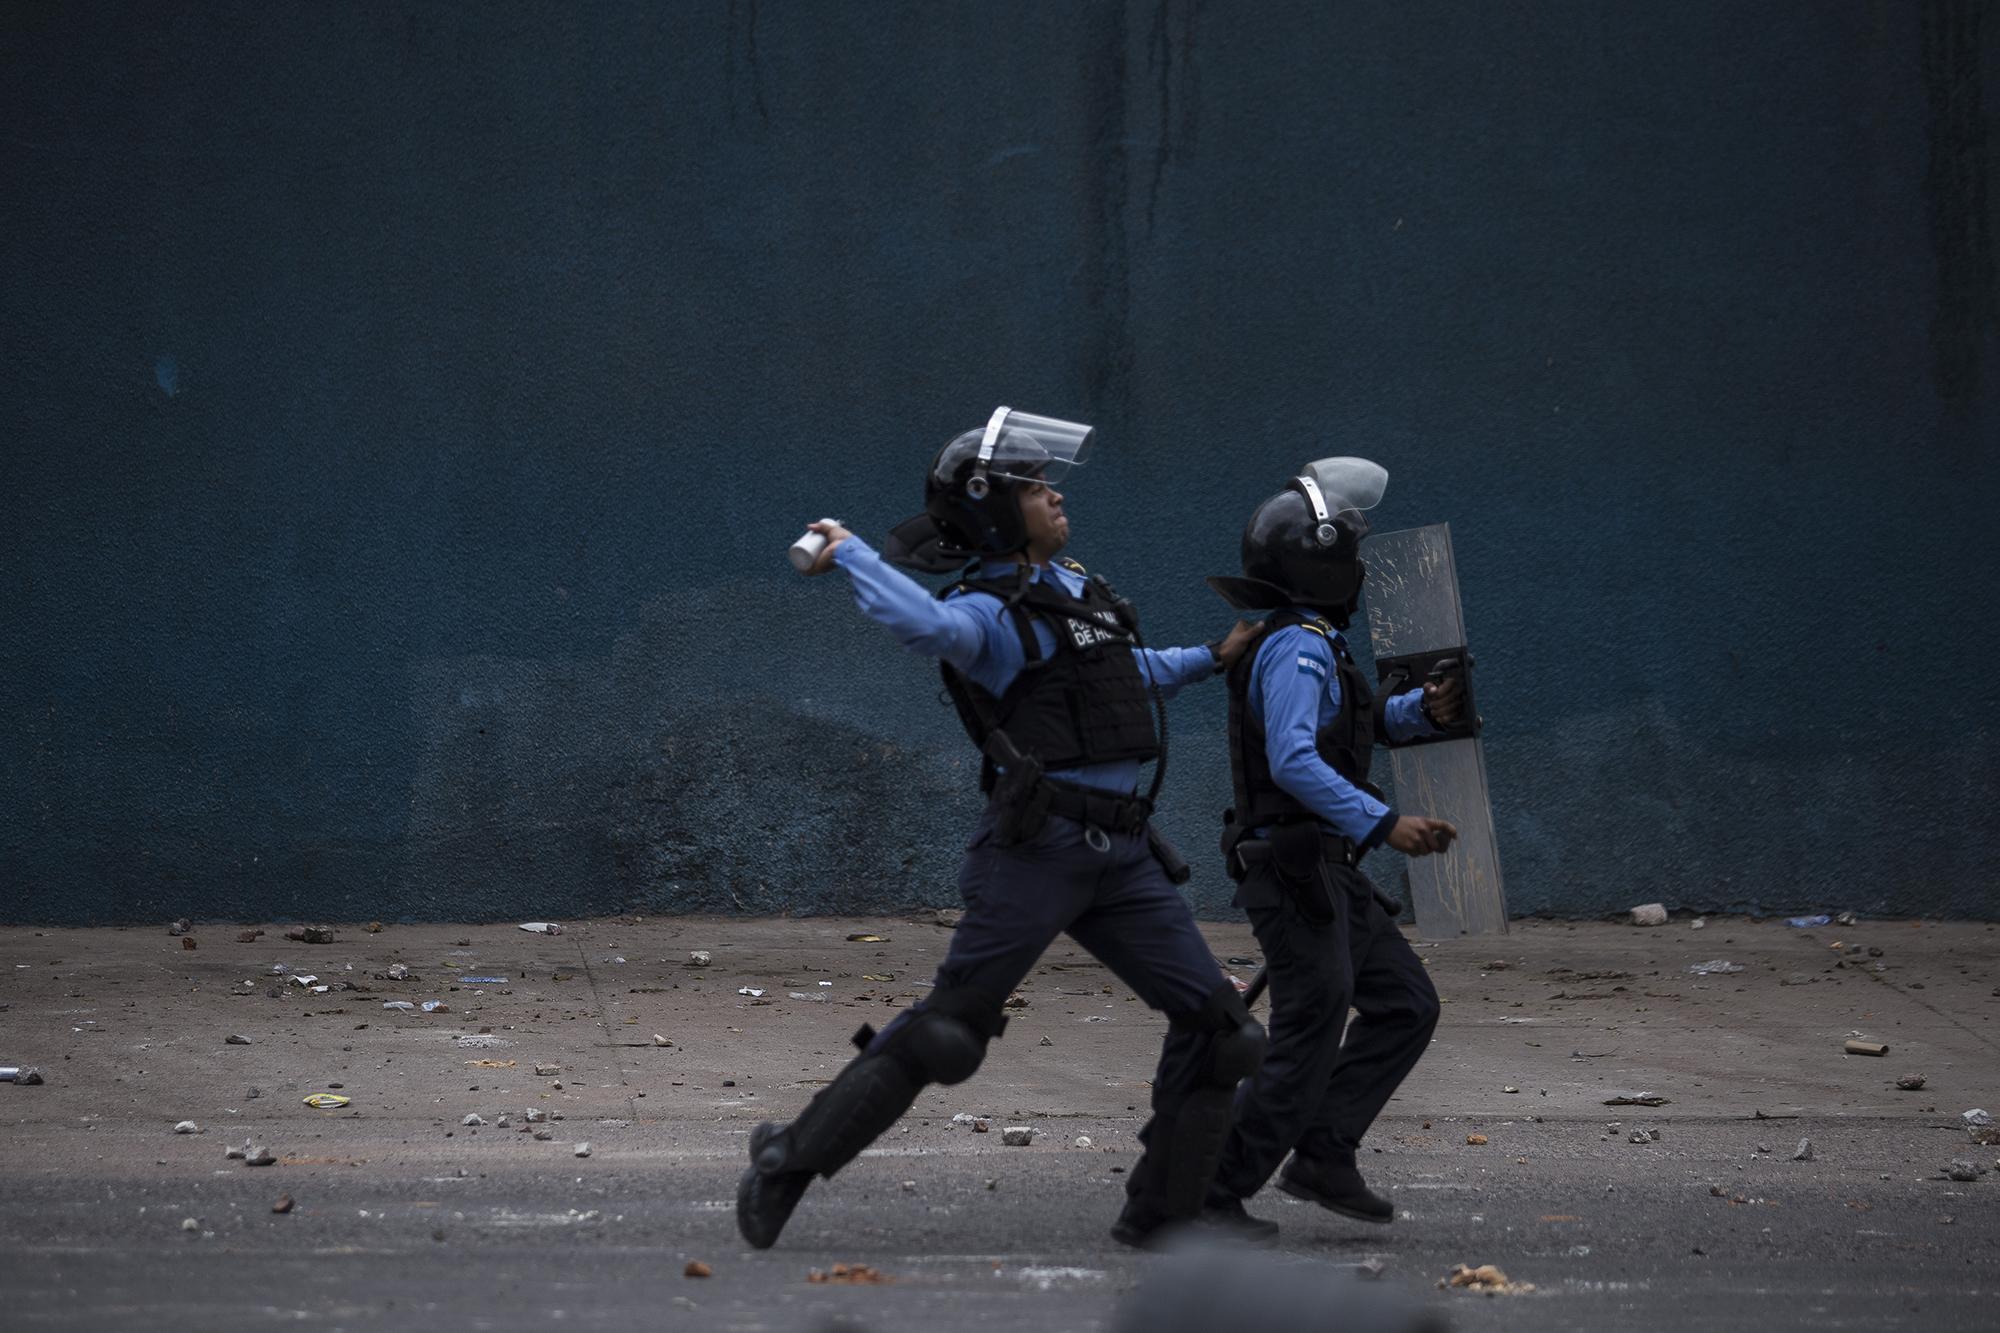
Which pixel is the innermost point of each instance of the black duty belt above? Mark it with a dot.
(1257, 851)
(1089, 805)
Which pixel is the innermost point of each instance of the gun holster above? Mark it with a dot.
(1298, 855)
(1020, 797)
(1171, 861)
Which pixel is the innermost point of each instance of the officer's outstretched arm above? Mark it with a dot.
(955, 631)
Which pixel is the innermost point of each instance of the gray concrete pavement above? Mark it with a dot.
(407, 1218)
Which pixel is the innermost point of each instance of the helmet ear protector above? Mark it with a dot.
(1323, 530)
(976, 485)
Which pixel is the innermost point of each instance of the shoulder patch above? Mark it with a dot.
(1311, 665)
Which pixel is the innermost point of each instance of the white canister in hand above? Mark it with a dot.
(807, 548)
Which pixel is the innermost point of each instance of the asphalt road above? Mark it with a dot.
(407, 1219)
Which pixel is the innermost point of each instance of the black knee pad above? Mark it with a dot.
(1236, 1040)
(941, 1048)
(946, 1041)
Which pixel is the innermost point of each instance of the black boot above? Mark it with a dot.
(764, 1201)
(1335, 1186)
(1226, 1217)
(1142, 1225)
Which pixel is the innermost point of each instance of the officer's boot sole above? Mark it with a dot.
(1333, 1204)
(764, 1202)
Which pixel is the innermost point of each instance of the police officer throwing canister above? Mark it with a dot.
(1045, 666)
(1302, 723)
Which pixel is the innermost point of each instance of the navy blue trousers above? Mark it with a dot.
(1118, 904)
(1315, 1091)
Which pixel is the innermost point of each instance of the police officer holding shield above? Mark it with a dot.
(1045, 665)
(1302, 723)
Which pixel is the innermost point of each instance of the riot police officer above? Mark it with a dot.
(1302, 723)
(1052, 682)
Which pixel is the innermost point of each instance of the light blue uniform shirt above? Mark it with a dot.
(1294, 691)
(970, 631)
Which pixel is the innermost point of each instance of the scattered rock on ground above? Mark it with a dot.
(1017, 1136)
(1649, 914)
(187, 1127)
(696, 1268)
(283, 1205)
(1804, 1152)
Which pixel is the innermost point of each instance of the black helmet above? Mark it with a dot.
(1303, 545)
(972, 493)
(976, 502)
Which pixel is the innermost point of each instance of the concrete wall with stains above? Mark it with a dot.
(407, 407)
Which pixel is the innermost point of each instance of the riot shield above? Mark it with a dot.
(1418, 632)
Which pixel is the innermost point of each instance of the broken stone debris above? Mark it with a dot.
(851, 1274)
(475, 1120)
(696, 1268)
(699, 958)
(658, 1040)
(236, 1039)
(187, 1127)
(1486, 1279)
(179, 927)
(1804, 1152)
(1649, 914)
(1475, 1140)
(1715, 966)
(1961, 1170)
(542, 927)
(259, 1157)
(544, 1069)
(582, 1150)
(283, 1205)
(311, 934)
(1911, 1082)
(1017, 1136)
(1635, 1099)
(1083, 1141)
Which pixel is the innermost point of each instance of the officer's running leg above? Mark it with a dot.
(1397, 1010)
(1017, 900)
(1312, 979)
(1142, 929)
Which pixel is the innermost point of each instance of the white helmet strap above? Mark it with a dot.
(1323, 530)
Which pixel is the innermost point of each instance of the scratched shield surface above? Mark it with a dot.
(1412, 608)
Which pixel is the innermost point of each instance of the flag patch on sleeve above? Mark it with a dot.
(1312, 666)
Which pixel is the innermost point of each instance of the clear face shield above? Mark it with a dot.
(1024, 447)
(1341, 486)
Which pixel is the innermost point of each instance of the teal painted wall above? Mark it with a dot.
(408, 405)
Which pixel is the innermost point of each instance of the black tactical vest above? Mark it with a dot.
(1088, 703)
(1346, 742)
